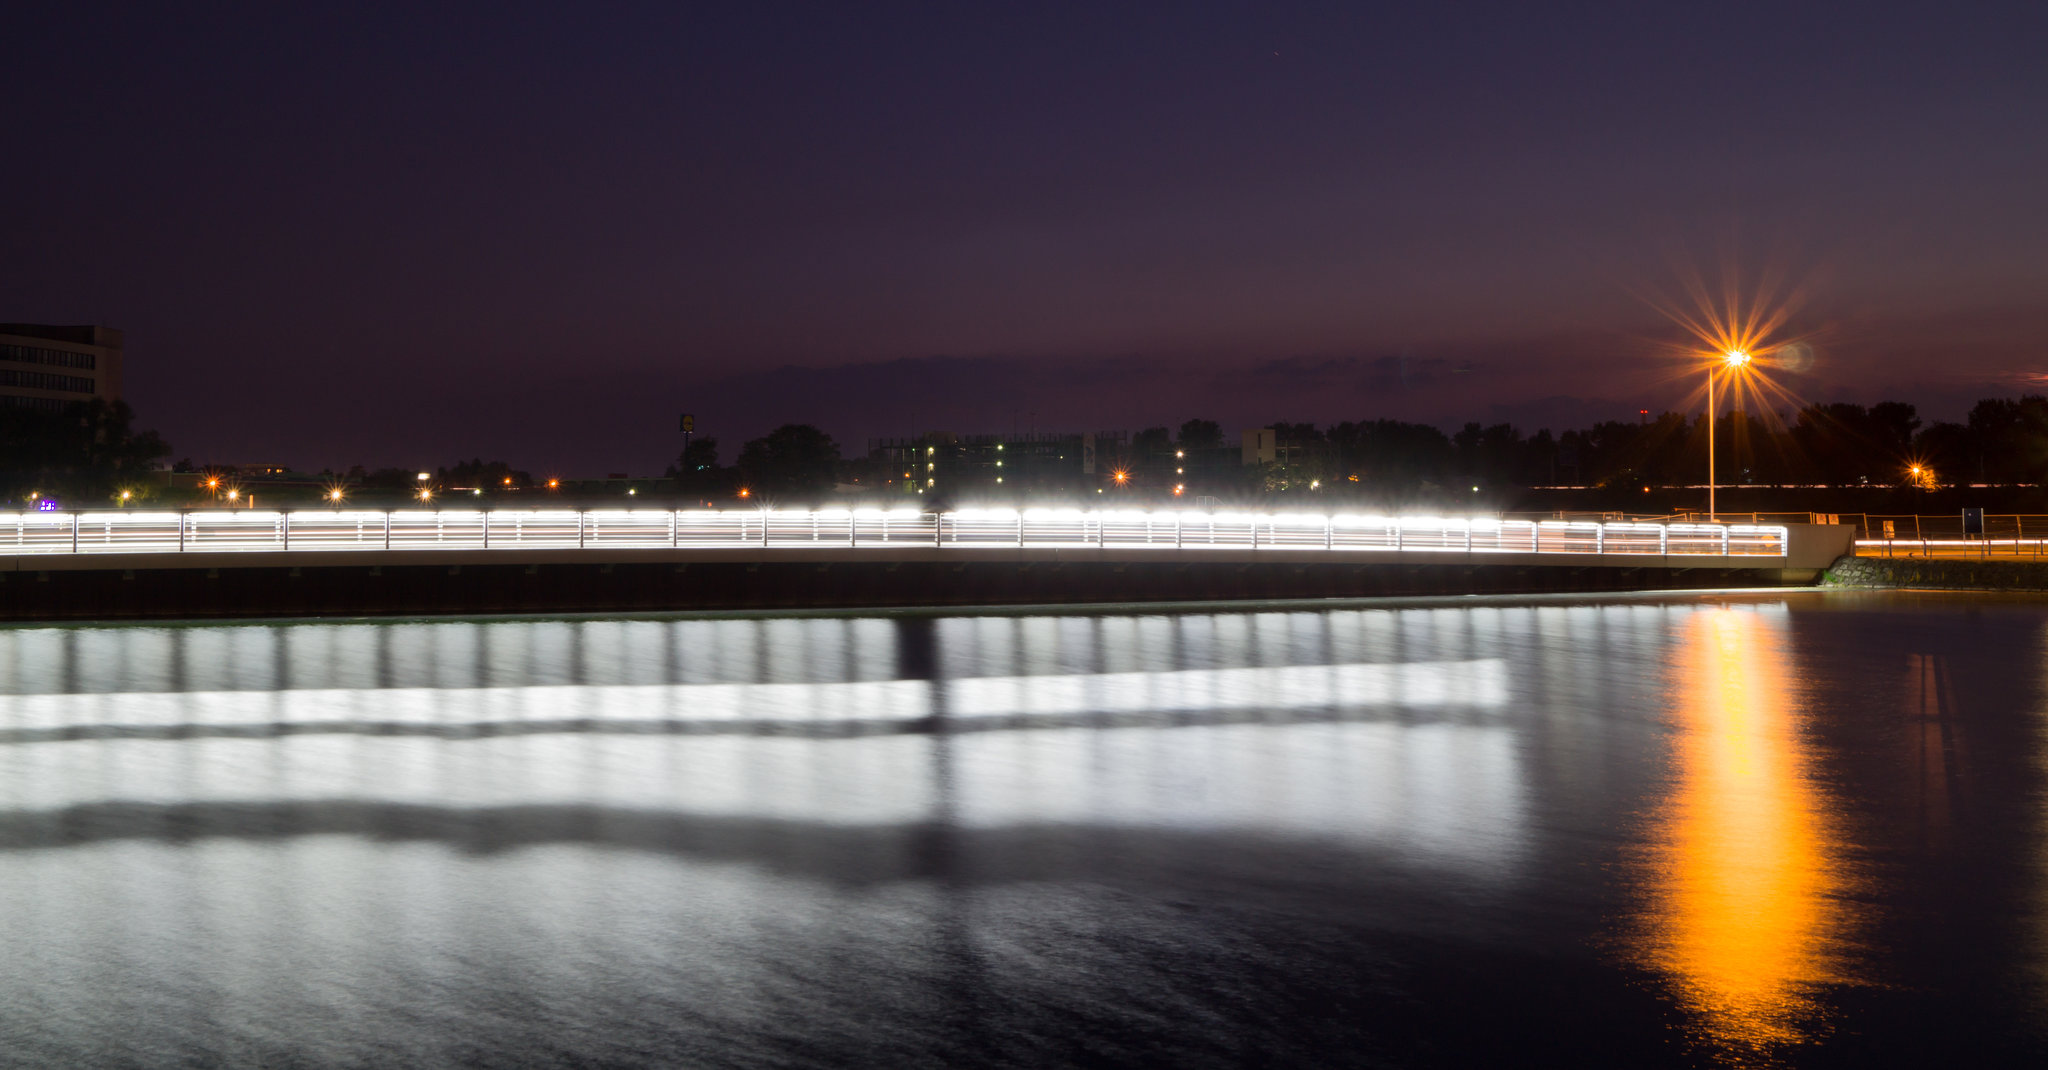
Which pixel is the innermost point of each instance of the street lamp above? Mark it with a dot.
(1734, 360)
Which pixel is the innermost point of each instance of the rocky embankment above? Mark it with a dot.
(1951, 574)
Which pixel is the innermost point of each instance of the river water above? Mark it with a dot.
(1796, 828)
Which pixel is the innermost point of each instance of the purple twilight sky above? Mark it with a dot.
(410, 233)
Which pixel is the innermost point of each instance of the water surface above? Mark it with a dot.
(1803, 828)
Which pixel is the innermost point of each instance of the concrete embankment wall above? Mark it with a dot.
(1954, 574)
(666, 585)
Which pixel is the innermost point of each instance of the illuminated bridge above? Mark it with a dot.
(202, 562)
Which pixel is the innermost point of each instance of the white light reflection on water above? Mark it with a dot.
(747, 842)
(785, 750)
(250, 714)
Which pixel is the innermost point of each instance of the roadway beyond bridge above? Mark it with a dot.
(207, 563)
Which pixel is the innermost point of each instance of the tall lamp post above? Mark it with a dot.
(1733, 360)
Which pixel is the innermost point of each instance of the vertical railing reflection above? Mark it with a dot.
(1744, 877)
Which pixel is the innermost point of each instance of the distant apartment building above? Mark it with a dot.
(946, 462)
(49, 367)
(1146, 464)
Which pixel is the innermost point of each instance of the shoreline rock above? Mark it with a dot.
(1948, 574)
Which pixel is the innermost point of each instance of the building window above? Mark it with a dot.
(77, 384)
(45, 404)
(55, 357)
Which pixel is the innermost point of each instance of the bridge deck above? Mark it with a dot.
(43, 541)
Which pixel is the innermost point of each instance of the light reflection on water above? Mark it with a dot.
(1746, 876)
(1284, 838)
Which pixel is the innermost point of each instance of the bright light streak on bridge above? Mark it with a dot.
(243, 531)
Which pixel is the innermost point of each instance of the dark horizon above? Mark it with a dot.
(395, 236)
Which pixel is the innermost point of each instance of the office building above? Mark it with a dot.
(49, 367)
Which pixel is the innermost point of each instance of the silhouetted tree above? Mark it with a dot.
(1151, 442)
(697, 472)
(1391, 457)
(1893, 423)
(701, 455)
(86, 451)
(792, 461)
(1201, 435)
(1945, 447)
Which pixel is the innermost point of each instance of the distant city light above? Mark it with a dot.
(745, 493)
(424, 476)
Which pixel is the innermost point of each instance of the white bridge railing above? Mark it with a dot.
(226, 530)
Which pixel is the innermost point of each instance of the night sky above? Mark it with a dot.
(383, 235)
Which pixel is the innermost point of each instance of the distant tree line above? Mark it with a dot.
(1840, 444)
(90, 453)
(2002, 441)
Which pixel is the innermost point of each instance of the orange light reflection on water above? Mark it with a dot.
(1745, 877)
